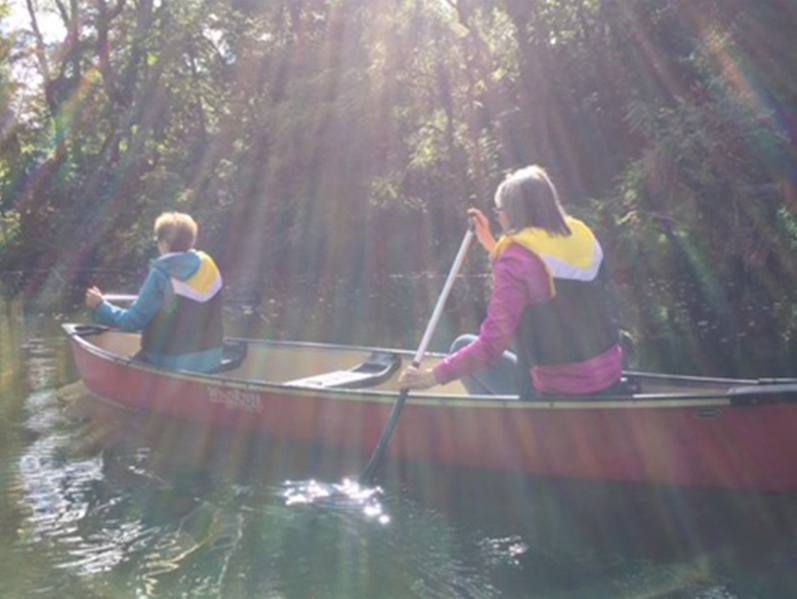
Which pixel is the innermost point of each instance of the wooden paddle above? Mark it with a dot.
(371, 468)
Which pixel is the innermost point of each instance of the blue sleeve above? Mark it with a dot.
(136, 317)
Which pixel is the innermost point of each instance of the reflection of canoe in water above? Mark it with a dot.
(733, 433)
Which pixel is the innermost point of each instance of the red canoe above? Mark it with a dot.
(678, 430)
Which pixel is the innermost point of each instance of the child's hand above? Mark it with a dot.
(93, 297)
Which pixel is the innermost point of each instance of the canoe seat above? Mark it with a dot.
(233, 356)
(376, 369)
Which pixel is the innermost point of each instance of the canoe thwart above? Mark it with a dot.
(376, 369)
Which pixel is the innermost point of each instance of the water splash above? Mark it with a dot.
(346, 494)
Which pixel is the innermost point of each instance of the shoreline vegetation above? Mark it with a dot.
(394, 316)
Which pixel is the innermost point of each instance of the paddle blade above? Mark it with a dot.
(369, 472)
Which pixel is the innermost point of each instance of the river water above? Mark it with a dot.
(97, 504)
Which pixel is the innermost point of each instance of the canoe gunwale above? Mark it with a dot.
(748, 392)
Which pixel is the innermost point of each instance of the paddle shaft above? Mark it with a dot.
(379, 451)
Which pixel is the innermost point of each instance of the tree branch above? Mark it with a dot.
(64, 13)
(41, 50)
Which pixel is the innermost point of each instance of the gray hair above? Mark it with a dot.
(529, 199)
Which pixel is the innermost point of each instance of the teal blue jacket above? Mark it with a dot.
(180, 266)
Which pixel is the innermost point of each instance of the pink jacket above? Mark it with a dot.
(520, 279)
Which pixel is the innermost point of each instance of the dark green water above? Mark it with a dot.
(97, 504)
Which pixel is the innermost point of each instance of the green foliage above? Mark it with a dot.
(10, 237)
(702, 207)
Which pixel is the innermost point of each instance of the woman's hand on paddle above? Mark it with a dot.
(93, 297)
(481, 227)
(415, 378)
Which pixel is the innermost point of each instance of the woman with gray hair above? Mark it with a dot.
(549, 298)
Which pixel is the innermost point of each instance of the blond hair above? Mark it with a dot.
(177, 230)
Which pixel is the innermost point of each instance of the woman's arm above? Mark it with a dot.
(519, 279)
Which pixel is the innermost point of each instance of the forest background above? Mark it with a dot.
(329, 149)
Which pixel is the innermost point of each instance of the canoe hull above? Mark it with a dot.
(711, 443)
